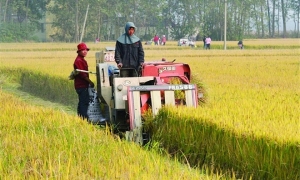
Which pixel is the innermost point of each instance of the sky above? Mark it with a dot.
(290, 25)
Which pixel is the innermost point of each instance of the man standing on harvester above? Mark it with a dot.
(129, 52)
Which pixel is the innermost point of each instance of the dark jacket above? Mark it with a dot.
(79, 81)
(130, 55)
(129, 50)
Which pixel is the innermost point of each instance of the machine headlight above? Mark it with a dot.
(200, 95)
(120, 87)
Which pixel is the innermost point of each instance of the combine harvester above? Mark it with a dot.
(126, 99)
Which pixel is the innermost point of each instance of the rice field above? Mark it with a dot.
(40, 143)
(251, 123)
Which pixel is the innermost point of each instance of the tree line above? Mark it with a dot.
(174, 18)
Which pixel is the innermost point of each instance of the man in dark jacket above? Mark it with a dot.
(204, 44)
(129, 52)
(240, 44)
(82, 80)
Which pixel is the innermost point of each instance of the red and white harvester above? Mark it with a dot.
(126, 98)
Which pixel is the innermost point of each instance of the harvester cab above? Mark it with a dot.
(126, 99)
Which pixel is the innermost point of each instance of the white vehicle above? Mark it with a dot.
(186, 42)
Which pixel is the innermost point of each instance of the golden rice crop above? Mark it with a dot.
(252, 117)
(40, 143)
(253, 111)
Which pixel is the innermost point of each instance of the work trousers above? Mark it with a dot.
(84, 98)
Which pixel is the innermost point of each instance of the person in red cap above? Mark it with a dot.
(82, 80)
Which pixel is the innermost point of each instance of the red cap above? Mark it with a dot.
(82, 46)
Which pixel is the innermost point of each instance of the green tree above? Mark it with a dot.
(295, 7)
(20, 18)
(174, 18)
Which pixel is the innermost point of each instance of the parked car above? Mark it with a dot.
(149, 42)
(186, 42)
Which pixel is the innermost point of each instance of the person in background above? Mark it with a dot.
(204, 43)
(163, 40)
(192, 43)
(156, 39)
(82, 80)
(241, 45)
(129, 52)
(207, 42)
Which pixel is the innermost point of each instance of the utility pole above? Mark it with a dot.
(83, 27)
(225, 23)
(76, 24)
(99, 28)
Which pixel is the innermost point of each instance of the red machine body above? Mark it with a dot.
(164, 71)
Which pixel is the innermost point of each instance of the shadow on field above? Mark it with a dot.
(44, 86)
